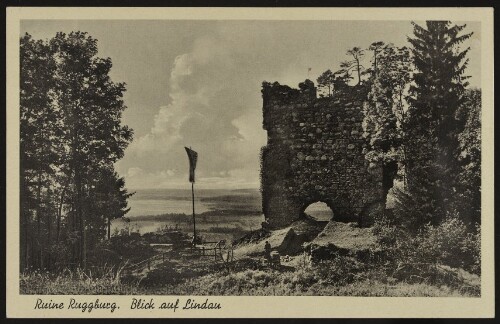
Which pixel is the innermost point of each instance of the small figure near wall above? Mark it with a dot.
(267, 251)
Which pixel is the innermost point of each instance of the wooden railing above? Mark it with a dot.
(221, 252)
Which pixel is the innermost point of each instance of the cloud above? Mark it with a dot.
(134, 171)
(215, 107)
(214, 101)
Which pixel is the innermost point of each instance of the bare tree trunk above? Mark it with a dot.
(59, 215)
(49, 238)
(27, 239)
(25, 209)
(38, 216)
(359, 71)
(84, 244)
(22, 207)
(74, 256)
(79, 216)
(78, 184)
(49, 241)
(81, 222)
(109, 228)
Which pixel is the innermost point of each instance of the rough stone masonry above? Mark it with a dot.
(315, 153)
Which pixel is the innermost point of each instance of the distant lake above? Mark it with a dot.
(232, 212)
(170, 201)
(228, 213)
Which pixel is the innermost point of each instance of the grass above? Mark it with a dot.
(416, 266)
(245, 283)
(74, 282)
(335, 278)
(261, 283)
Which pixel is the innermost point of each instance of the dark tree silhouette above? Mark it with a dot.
(71, 134)
(376, 48)
(326, 82)
(432, 124)
(357, 54)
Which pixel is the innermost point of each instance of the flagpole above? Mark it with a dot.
(194, 220)
(193, 156)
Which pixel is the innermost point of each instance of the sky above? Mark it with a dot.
(197, 84)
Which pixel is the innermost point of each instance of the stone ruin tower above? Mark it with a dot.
(315, 153)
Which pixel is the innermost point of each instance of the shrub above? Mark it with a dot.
(339, 270)
(452, 244)
(303, 279)
(429, 254)
(61, 253)
(133, 247)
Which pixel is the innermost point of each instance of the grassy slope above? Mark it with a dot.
(248, 283)
(264, 282)
(249, 275)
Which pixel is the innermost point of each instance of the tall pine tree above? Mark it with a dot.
(433, 123)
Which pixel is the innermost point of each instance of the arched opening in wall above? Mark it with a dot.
(319, 211)
(391, 184)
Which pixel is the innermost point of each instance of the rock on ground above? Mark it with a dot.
(286, 241)
(322, 241)
(343, 239)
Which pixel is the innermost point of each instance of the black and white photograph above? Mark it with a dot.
(250, 157)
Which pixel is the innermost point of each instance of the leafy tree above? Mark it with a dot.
(345, 68)
(326, 82)
(343, 76)
(92, 106)
(109, 201)
(38, 126)
(432, 123)
(71, 134)
(400, 65)
(381, 110)
(384, 107)
(357, 54)
(376, 48)
(469, 194)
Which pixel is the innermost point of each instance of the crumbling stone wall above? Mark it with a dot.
(315, 152)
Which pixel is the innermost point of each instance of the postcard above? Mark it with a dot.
(250, 163)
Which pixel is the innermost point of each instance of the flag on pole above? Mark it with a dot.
(193, 157)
